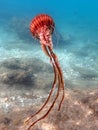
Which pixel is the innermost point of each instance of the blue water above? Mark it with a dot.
(76, 33)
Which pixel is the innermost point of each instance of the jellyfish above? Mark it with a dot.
(42, 27)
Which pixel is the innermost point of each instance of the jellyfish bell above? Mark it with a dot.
(41, 27)
(40, 22)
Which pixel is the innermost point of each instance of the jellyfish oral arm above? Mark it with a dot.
(45, 37)
(58, 71)
(61, 84)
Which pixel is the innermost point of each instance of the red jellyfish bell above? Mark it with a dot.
(42, 27)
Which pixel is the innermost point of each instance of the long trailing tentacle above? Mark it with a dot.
(59, 84)
(59, 71)
(62, 83)
(60, 74)
(53, 86)
(54, 60)
(48, 109)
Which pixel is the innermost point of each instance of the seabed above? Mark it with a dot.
(24, 86)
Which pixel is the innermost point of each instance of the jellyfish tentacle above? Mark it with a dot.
(55, 62)
(58, 91)
(60, 74)
(52, 105)
(62, 95)
(53, 86)
(62, 83)
(45, 50)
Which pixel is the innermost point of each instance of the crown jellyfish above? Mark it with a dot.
(42, 27)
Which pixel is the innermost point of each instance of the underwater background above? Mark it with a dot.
(25, 72)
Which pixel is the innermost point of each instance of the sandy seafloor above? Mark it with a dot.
(26, 77)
